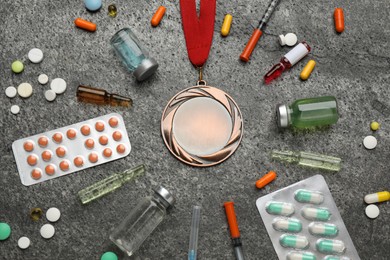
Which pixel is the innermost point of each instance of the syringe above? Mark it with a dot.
(194, 233)
(234, 231)
(251, 44)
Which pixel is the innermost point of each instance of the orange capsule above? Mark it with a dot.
(89, 143)
(64, 165)
(50, 169)
(113, 122)
(85, 130)
(43, 141)
(36, 174)
(78, 161)
(28, 146)
(46, 155)
(107, 152)
(57, 137)
(99, 126)
(266, 179)
(121, 148)
(158, 15)
(84, 24)
(71, 134)
(60, 151)
(117, 136)
(339, 20)
(93, 157)
(103, 140)
(32, 160)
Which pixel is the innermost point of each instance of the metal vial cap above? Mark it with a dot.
(146, 69)
(282, 113)
(167, 198)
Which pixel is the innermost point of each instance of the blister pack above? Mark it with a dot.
(71, 148)
(304, 223)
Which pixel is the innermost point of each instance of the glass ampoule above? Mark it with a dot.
(101, 97)
(308, 112)
(288, 60)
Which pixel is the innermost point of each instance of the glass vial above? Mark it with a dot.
(142, 220)
(308, 112)
(101, 97)
(135, 58)
(288, 60)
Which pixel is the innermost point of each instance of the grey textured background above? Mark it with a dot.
(353, 66)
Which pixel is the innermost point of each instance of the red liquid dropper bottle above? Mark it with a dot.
(288, 60)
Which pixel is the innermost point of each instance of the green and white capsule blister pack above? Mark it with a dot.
(304, 223)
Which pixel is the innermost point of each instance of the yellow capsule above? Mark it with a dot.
(227, 23)
(305, 74)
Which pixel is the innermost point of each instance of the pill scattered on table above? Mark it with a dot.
(47, 231)
(50, 95)
(374, 126)
(93, 5)
(5, 231)
(370, 142)
(84, 24)
(307, 70)
(15, 109)
(266, 179)
(338, 16)
(25, 90)
(158, 15)
(372, 211)
(11, 92)
(36, 214)
(35, 55)
(53, 214)
(23, 242)
(17, 66)
(377, 197)
(109, 256)
(112, 11)
(43, 79)
(58, 85)
(226, 25)
(289, 39)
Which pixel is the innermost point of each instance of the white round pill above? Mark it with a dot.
(25, 90)
(11, 92)
(53, 214)
(43, 79)
(58, 85)
(290, 39)
(15, 109)
(23, 242)
(47, 231)
(35, 55)
(372, 211)
(50, 95)
(370, 142)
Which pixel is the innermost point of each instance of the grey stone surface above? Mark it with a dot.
(352, 66)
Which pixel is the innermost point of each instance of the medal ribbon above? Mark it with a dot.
(198, 31)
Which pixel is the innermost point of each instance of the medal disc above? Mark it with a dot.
(202, 126)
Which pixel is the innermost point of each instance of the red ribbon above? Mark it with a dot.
(198, 31)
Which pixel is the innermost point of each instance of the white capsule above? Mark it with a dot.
(323, 229)
(307, 196)
(311, 213)
(328, 246)
(280, 208)
(287, 225)
(294, 241)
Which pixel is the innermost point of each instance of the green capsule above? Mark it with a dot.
(280, 208)
(294, 241)
(287, 225)
(301, 256)
(327, 246)
(316, 213)
(333, 257)
(307, 196)
(321, 229)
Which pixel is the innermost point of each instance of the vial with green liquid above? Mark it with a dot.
(308, 112)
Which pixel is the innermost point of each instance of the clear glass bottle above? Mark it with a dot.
(133, 55)
(287, 61)
(142, 220)
(308, 112)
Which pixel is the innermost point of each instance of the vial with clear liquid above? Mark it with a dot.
(142, 221)
(133, 55)
(288, 60)
(308, 112)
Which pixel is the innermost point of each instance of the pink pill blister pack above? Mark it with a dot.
(71, 148)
